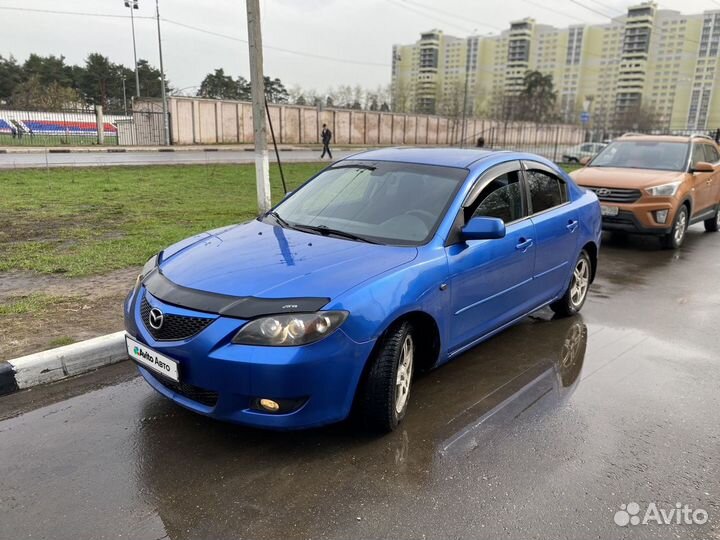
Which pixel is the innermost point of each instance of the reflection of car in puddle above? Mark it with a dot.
(264, 484)
(540, 387)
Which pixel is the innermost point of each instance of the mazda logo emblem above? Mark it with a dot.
(155, 319)
(603, 192)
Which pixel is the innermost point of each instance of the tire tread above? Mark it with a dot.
(377, 403)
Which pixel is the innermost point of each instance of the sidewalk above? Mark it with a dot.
(191, 148)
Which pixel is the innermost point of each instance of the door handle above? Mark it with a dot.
(572, 225)
(524, 245)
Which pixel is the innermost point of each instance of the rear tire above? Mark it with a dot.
(576, 294)
(383, 399)
(676, 237)
(713, 224)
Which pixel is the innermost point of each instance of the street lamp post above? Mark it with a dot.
(166, 121)
(133, 5)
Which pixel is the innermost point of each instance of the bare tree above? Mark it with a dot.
(401, 91)
(639, 118)
(450, 104)
(296, 95)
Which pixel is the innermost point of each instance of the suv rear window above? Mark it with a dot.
(660, 155)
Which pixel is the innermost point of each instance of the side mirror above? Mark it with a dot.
(483, 228)
(584, 161)
(702, 166)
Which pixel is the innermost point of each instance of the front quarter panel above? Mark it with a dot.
(374, 305)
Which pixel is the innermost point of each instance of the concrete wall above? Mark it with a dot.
(205, 121)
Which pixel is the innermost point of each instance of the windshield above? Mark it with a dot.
(387, 202)
(667, 156)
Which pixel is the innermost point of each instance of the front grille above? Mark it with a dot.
(623, 218)
(174, 327)
(616, 195)
(195, 393)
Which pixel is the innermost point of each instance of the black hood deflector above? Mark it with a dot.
(240, 307)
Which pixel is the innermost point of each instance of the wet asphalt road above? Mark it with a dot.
(541, 432)
(105, 159)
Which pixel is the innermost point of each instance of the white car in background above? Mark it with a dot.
(586, 150)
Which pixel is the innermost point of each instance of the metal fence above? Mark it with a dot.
(553, 143)
(79, 127)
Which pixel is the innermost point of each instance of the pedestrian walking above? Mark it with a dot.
(326, 136)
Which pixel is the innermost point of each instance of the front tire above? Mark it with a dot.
(676, 237)
(576, 294)
(713, 224)
(384, 396)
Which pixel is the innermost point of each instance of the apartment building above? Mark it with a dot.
(656, 59)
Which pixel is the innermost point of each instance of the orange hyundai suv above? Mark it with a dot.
(659, 185)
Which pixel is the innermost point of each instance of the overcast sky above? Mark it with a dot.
(359, 33)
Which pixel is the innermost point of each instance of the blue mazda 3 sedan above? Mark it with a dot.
(385, 263)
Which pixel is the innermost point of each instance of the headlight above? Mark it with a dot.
(290, 329)
(666, 190)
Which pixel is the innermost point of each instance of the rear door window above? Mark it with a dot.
(546, 190)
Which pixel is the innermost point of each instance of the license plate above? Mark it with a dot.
(609, 210)
(152, 360)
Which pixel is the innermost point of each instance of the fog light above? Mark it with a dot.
(661, 215)
(270, 405)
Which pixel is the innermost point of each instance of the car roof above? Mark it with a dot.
(662, 138)
(445, 157)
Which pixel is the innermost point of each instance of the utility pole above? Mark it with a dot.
(463, 129)
(133, 5)
(166, 120)
(257, 85)
(125, 97)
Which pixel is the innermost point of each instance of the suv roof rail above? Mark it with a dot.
(699, 136)
(631, 134)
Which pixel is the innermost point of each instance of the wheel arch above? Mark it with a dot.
(592, 251)
(688, 203)
(427, 334)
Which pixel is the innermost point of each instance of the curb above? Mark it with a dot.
(61, 363)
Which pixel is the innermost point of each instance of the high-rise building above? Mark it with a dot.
(649, 61)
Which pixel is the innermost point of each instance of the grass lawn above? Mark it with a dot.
(74, 238)
(88, 221)
(54, 140)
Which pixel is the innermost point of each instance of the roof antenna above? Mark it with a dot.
(277, 154)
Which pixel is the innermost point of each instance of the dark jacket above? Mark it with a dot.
(326, 136)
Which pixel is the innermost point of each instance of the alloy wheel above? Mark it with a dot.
(404, 374)
(580, 282)
(680, 227)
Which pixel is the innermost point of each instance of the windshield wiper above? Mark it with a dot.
(326, 231)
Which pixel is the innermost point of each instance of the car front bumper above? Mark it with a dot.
(639, 218)
(225, 381)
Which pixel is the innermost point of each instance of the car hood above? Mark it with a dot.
(261, 260)
(614, 177)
